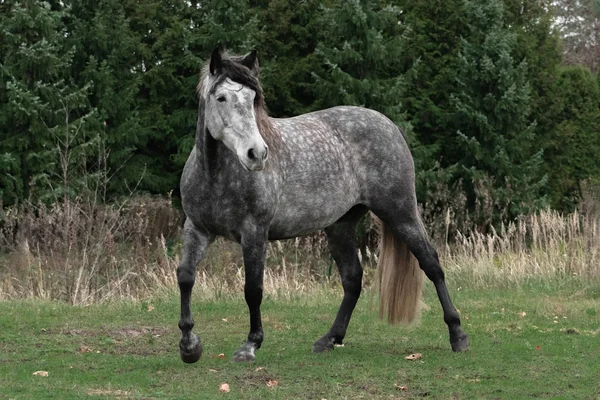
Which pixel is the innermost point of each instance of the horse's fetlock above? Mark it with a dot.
(186, 324)
(256, 337)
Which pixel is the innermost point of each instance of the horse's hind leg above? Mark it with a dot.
(194, 246)
(408, 228)
(342, 243)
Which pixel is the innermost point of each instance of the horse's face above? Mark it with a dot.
(231, 119)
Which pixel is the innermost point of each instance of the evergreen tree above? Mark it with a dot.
(361, 45)
(46, 124)
(107, 53)
(495, 156)
(573, 144)
(288, 33)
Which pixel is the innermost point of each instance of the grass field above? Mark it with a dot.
(533, 342)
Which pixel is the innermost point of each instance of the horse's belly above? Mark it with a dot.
(306, 214)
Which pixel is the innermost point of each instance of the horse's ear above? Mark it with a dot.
(250, 61)
(216, 61)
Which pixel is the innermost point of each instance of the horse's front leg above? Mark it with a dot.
(195, 243)
(254, 248)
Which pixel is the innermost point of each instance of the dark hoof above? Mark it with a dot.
(244, 354)
(323, 344)
(460, 344)
(190, 350)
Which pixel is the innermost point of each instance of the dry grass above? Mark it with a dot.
(82, 253)
(79, 252)
(546, 246)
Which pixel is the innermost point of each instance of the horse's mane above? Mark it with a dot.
(233, 70)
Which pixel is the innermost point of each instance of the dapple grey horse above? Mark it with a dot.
(251, 178)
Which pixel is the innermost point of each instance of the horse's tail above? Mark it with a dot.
(400, 279)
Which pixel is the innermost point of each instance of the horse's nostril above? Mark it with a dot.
(252, 154)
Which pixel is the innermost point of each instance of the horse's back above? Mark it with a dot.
(363, 142)
(335, 159)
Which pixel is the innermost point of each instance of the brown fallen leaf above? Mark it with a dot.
(40, 373)
(221, 355)
(400, 387)
(272, 383)
(259, 369)
(150, 307)
(84, 349)
(224, 388)
(522, 314)
(414, 357)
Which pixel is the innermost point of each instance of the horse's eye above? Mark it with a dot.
(221, 99)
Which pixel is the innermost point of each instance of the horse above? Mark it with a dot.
(251, 178)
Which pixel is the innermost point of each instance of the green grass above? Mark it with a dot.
(123, 350)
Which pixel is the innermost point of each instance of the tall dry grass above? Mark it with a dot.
(546, 247)
(84, 253)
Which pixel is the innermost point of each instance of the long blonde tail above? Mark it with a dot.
(400, 279)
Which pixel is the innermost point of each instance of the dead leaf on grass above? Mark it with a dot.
(212, 370)
(522, 314)
(224, 388)
(272, 383)
(84, 349)
(221, 355)
(40, 373)
(150, 307)
(414, 357)
(400, 387)
(259, 369)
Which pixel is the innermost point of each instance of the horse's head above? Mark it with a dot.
(232, 94)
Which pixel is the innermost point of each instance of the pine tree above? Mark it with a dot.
(288, 33)
(572, 146)
(46, 125)
(496, 154)
(361, 45)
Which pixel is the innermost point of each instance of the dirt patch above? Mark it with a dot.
(77, 332)
(108, 392)
(124, 333)
(117, 334)
(257, 378)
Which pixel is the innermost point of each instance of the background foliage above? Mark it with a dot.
(500, 98)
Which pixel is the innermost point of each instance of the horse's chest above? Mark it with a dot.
(221, 207)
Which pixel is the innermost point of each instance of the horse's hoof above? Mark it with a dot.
(191, 350)
(460, 344)
(323, 344)
(245, 354)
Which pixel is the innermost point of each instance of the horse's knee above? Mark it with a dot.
(186, 276)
